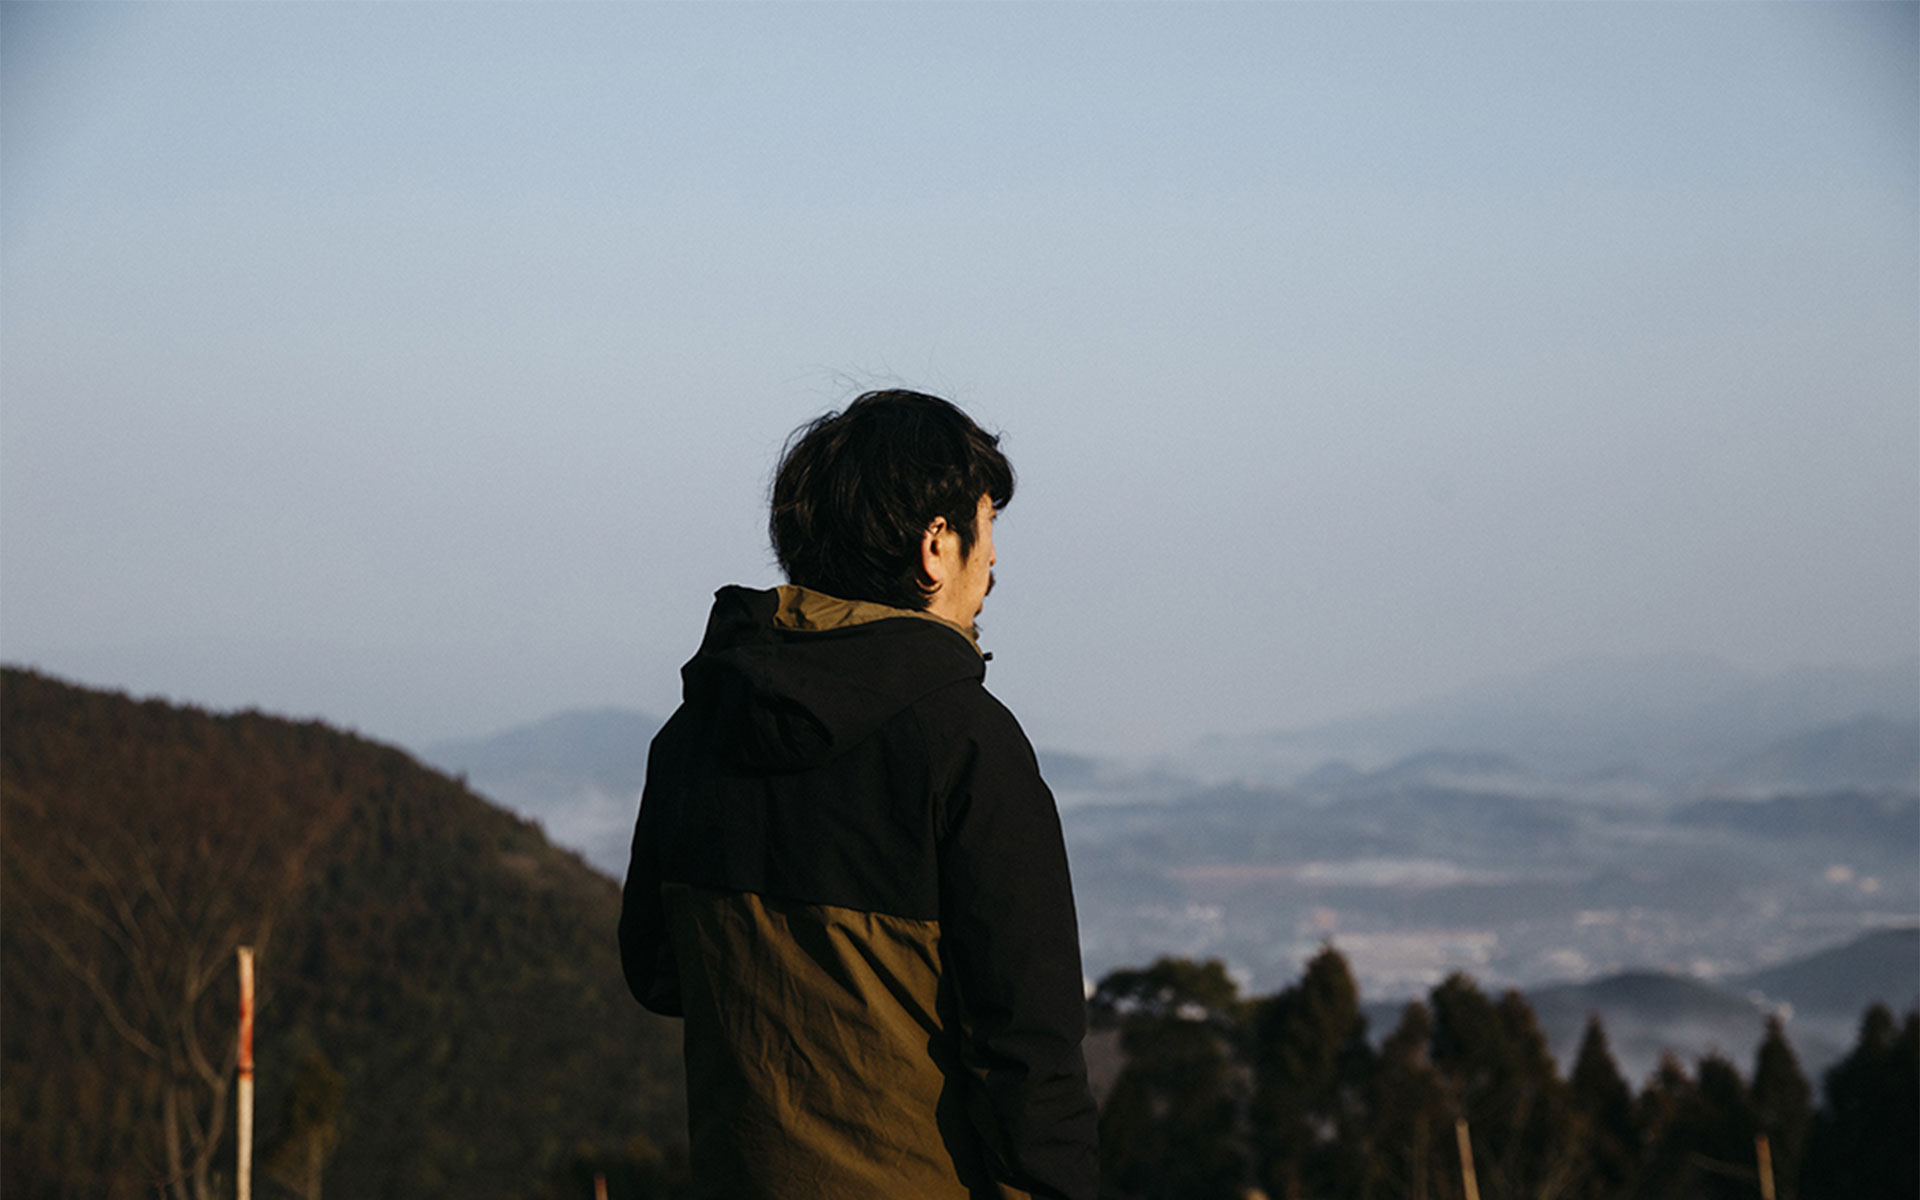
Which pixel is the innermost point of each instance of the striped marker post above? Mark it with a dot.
(245, 1131)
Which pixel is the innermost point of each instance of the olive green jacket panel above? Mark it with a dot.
(821, 1053)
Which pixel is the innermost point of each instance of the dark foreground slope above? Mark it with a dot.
(456, 972)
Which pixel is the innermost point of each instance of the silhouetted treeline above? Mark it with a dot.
(1286, 1096)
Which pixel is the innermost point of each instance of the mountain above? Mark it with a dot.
(1869, 751)
(607, 746)
(1879, 967)
(1649, 1013)
(441, 1008)
(1888, 818)
(1077, 779)
(1822, 996)
(577, 773)
(1667, 718)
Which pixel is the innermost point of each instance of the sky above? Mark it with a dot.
(423, 367)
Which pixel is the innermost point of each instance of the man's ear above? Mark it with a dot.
(932, 566)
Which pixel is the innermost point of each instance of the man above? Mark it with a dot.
(847, 873)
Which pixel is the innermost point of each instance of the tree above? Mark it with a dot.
(1700, 1133)
(1172, 1126)
(1502, 1079)
(1311, 1062)
(1170, 988)
(1605, 1105)
(1412, 1119)
(1865, 1144)
(1722, 1132)
(1783, 1105)
(1662, 1111)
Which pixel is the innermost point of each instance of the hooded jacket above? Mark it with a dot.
(849, 879)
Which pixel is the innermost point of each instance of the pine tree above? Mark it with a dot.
(1722, 1133)
(1311, 1061)
(1700, 1133)
(1783, 1104)
(1504, 1082)
(1865, 1143)
(1605, 1104)
(1662, 1111)
(1412, 1130)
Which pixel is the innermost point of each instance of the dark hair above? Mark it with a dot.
(856, 490)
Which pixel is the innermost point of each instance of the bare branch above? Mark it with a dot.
(135, 941)
(150, 880)
(97, 987)
(170, 1122)
(70, 900)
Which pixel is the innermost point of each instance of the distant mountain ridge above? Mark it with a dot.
(1650, 1013)
(1672, 718)
(578, 773)
(607, 746)
(1889, 817)
(1881, 966)
(1869, 751)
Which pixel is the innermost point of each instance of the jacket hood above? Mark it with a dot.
(787, 678)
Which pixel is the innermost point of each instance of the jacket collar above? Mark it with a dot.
(803, 610)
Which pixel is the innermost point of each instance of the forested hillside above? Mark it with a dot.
(441, 1010)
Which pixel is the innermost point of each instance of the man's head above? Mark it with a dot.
(883, 501)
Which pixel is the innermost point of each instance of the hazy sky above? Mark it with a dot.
(422, 368)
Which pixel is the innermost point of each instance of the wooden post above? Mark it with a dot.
(1763, 1151)
(1467, 1181)
(245, 1131)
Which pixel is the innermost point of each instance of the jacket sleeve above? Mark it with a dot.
(646, 944)
(1012, 944)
